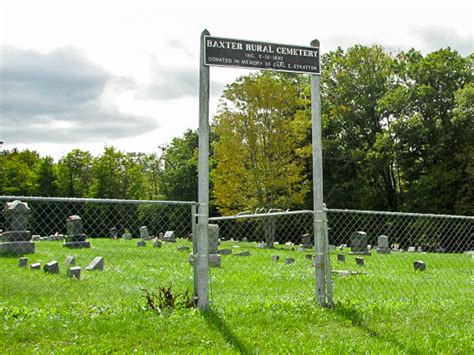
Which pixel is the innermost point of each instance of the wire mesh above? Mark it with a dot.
(384, 256)
(76, 253)
(265, 258)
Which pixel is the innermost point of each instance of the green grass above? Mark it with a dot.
(258, 306)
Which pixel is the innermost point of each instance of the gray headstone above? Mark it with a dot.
(262, 246)
(419, 265)
(22, 262)
(302, 249)
(182, 247)
(309, 256)
(157, 243)
(289, 260)
(213, 239)
(70, 261)
(144, 233)
(35, 266)
(96, 264)
(244, 253)
(359, 243)
(76, 238)
(113, 233)
(341, 258)
(52, 267)
(169, 237)
(74, 272)
(141, 243)
(35, 238)
(225, 251)
(383, 246)
(16, 240)
(214, 260)
(244, 239)
(127, 235)
(307, 240)
(419, 249)
(275, 258)
(359, 261)
(411, 249)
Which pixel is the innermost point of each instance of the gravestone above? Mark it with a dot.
(411, 250)
(309, 256)
(75, 235)
(419, 249)
(419, 265)
(16, 239)
(74, 272)
(35, 266)
(307, 241)
(141, 243)
(359, 243)
(56, 237)
(96, 264)
(359, 261)
(383, 245)
(213, 244)
(225, 251)
(341, 258)
(289, 261)
(244, 239)
(144, 233)
(35, 238)
(169, 237)
(275, 258)
(244, 253)
(182, 247)
(22, 262)
(301, 249)
(70, 261)
(262, 246)
(157, 243)
(126, 235)
(52, 267)
(113, 233)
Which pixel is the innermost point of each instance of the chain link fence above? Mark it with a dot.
(388, 256)
(92, 253)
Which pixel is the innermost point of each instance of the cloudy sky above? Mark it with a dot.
(95, 73)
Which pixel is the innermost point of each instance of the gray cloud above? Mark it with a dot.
(436, 37)
(54, 97)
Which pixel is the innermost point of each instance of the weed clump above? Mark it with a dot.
(164, 300)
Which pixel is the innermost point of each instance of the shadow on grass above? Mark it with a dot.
(350, 312)
(214, 320)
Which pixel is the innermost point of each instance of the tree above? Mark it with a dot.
(258, 137)
(45, 178)
(75, 173)
(359, 169)
(17, 173)
(178, 177)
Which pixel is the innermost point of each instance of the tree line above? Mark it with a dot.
(397, 135)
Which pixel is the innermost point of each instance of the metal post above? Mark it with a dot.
(203, 183)
(195, 250)
(318, 186)
(327, 269)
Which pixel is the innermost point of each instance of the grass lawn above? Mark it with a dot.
(258, 306)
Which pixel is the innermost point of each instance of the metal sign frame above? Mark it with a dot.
(323, 291)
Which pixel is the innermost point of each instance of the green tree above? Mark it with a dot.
(17, 172)
(46, 184)
(178, 177)
(258, 137)
(75, 173)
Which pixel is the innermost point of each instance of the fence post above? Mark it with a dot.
(203, 183)
(318, 186)
(328, 276)
(195, 250)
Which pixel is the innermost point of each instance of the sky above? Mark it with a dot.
(102, 73)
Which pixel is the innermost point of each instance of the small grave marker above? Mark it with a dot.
(157, 243)
(289, 261)
(244, 253)
(225, 251)
(35, 266)
(74, 272)
(275, 258)
(52, 267)
(169, 237)
(341, 258)
(182, 247)
(22, 262)
(359, 261)
(419, 265)
(96, 264)
(141, 243)
(70, 261)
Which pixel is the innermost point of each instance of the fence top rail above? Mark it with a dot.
(405, 214)
(94, 200)
(259, 215)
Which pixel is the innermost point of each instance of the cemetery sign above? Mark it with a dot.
(260, 55)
